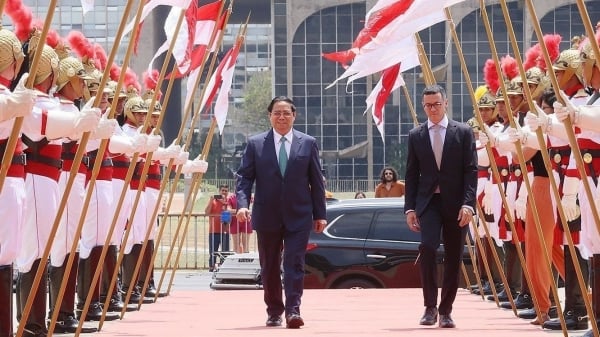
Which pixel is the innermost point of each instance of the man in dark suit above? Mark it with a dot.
(289, 201)
(441, 179)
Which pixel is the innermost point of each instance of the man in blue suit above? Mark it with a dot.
(441, 179)
(289, 201)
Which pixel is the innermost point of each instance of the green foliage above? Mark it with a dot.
(257, 96)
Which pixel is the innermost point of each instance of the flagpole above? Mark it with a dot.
(7, 159)
(2, 4)
(495, 171)
(410, 105)
(546, 157)
(101, 149)
(148, 161)
(239, 40)
(195, 119)
(169, 166)
(585, 18)
(519, 150)
(81, 148)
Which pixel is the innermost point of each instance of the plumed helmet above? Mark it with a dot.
(487, 101)
(474, 124)
(514, 88)
(148, 95)
(48, 64)
(10, 50)
(536, 76)
(95, 78)
(500, 93)
(134, 103)
(69, 67)
(569, 62)
(112, 86)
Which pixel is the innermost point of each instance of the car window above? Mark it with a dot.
(391, 225)
(351, 225)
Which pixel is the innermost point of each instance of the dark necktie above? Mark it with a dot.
(283, 159)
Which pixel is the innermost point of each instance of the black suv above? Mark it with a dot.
(366, 244)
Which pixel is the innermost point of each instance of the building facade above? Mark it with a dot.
(336, 116)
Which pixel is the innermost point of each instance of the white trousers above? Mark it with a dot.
(12, 211)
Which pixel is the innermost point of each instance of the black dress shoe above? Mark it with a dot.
(502, 296)
(274, 320)
(527, 313)
(430, 316)
(523, 301)
(293, 321)
(553, 312)
(573, 321)
(68, 324)
(115, 305)
(446, 321)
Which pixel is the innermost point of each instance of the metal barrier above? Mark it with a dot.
(194, 252)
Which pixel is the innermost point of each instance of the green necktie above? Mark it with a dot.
(283, 159)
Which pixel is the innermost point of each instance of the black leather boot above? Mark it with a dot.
(128, 267)
(147, 268)
(523, 301)
(95, 310)
(6, 289)
(110, 265)
(595, 279)
(35, 326)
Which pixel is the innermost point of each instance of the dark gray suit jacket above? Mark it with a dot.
(457, 176)
(291, 201)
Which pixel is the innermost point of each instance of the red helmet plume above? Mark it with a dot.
(490, 75)
(150, 81)
(552, 42)
(81, 45)
(509, 67)
(22, 18)
(131, 79)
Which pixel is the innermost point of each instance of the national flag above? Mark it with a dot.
(390, 35)
(151, 4)
(391, 79)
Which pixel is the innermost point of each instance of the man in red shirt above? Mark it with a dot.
(218, 232)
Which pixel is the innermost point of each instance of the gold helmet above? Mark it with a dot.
(10, 50)
(112, 86)
(514, 88)
(48, 64)
(474, 124)
(148, 95)
(69, 68)
(569, 62)
(487, 101)
(537, 76)
(134, 103)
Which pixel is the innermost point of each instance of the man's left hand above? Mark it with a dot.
(464, 216)
(319, 225)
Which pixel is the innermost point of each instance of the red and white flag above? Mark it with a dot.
(391, 79)
(220, 82)
(387, 46)
(150, 5)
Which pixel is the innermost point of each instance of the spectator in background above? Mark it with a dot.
(359, 195)
(240, 230)
(389, 186)
(218, 236)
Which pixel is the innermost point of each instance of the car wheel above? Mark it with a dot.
(356, 283)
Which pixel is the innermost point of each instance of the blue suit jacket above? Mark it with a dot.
(291, 201)
(456, 177)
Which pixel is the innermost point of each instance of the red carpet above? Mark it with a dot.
(373, 312)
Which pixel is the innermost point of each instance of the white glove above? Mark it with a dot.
(569, 199)
(514, 135)
(105, 128)
(139, 142)
(18, 104)
(171, 152)
(153, 142)
(534, 122)
(568, 110)
(182, 158)
(195, 166)
(521, 203)
(488, 200)
(88, 118)
(484, 139)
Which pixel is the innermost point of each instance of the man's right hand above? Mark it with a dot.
(243, 214)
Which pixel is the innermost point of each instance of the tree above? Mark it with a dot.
(257, 96)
